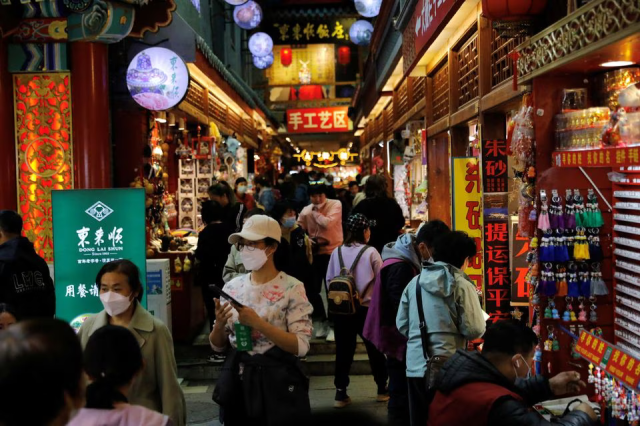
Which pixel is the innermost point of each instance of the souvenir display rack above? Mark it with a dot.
(626, 253)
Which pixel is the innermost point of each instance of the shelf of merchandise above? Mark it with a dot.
(626, 258)
(601, 157)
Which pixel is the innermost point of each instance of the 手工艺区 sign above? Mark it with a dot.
(318, 120)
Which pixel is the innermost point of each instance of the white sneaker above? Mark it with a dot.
(320, 329)
(331, 337)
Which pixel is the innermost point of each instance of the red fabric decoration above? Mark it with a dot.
(286, 56)
(344, 55)
(512, 10)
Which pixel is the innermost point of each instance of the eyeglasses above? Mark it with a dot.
(250, 245)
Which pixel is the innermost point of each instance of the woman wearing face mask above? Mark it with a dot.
(349, 327)
(242, 195)
(8, 316)
(273, 327)
(112, 360)
(156, 388)
(41, 380)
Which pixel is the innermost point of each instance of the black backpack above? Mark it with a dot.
(342, 294)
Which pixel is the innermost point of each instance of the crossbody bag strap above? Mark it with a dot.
(340, 258)
(423, 322)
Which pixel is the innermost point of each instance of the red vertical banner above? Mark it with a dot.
(423, 140)
(519, 266)
(497, 270)
(494, 166)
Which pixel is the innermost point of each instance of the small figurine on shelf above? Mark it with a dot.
(543, 219)
(582, 315)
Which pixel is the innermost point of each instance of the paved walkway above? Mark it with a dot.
(364, 410)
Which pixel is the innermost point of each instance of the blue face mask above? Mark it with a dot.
(289, 222)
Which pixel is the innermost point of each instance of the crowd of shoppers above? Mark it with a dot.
(272, 256)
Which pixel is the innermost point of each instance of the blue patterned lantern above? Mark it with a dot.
(236, 2)
(368, 8)
(248, 16)
(263, 62)
(260, 44)
(361, 32)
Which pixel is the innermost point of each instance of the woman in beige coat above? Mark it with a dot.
(157, 386)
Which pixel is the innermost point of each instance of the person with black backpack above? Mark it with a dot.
(350, 277)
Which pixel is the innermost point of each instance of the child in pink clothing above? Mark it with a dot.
(112, 359)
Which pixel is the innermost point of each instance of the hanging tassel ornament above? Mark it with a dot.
(582, 315)
(569, 212)
(584, 283)
(561, 281)
(572, 284)
(595, 249)
(543, 218)
(596, 216)
(598, 286)
(593, 317)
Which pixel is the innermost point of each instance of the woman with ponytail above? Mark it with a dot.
(112, 359)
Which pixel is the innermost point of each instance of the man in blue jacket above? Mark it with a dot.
(452, 316)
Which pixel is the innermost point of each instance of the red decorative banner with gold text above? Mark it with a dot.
(42, 105)
(318, 120)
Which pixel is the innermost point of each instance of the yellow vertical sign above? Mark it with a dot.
(467, 209)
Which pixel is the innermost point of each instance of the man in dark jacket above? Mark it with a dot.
(402, 262)
(25, 281)
(495, 388)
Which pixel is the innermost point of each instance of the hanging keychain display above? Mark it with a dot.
(581, 246)
(594, 217)
(556, 214)
(598, 286)
(595, 249)
(569, 314)
(543, 219)
(593, 317)
(569, 211)
(547, 249)
(572, 281)
(561, 280)
(561, 251)
(584, 280)
(579, 208)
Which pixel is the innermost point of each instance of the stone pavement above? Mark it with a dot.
(364, 410)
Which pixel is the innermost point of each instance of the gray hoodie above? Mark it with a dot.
(402, 248)
(452, 312)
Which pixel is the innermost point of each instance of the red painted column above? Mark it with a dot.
(9, 191)
(91, 114)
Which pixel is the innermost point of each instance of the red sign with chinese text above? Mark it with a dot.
(624, 367)
(497, 271)
(429, 18)
(318, 120)
(591, 348)
(494, 166)
(519, 266)
(608, 157)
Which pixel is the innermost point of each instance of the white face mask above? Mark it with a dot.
(114, 303)
(528, 370)
(242, 189)
(253, 260)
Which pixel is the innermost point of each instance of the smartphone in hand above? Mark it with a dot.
(222, 295)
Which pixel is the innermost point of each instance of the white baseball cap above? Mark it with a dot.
(258, 228)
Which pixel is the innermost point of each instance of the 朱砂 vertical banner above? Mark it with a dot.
(467, 209)
(92, 227)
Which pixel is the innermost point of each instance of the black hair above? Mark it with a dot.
(5, 307)
(10, 222)
(125, 267)
(431, 231)
(317, 187)
(509, 337)
(376, 186)
(358, 178)
(353, 183)
(211, 211)
(240, 180)
(262, 181)
(454, 248)
(41, 358)
(279, 210)
(222, 188)
(255, 212)
(355, 237)
(112, 358)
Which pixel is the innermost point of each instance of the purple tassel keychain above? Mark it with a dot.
(569, 213)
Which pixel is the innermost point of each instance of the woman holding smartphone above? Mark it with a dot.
(264, 336)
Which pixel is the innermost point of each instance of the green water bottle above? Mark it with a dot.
(243, 337)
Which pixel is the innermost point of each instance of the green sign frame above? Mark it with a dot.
(90, 228)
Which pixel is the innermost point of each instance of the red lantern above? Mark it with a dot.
(512, 10)
(344, 55)
(286, 56)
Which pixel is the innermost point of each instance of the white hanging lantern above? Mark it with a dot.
(248, 16)
(368, 8)
(361, 32)
(263, 62)
(260, 44)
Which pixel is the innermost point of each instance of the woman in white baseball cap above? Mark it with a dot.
(269, 320)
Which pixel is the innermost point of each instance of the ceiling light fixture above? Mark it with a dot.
(612, 64)
(172, 119)
(181, 125)
(161, 117)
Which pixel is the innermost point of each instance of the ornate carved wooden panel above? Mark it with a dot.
(197, 96)
(441, 93)
(42, 105)
(501, 65)
(468, 70)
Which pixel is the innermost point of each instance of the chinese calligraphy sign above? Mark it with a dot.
(498, 272)
(328, 30)
(90, 229)
(519, 266)
(467, 211)
(318, 120)
(494, 166)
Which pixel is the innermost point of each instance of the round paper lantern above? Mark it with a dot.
(512, 10)
(236, 2)
(263, 62)
(157, 79)
(361, 32)
(286, 56)
(344, 55)
(368, 8)
(260, 44)
(248, 16)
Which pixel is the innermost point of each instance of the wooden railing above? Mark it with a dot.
(196, 96)
(501, 65)
(441, 93)
(468, 80)
(400, 101)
